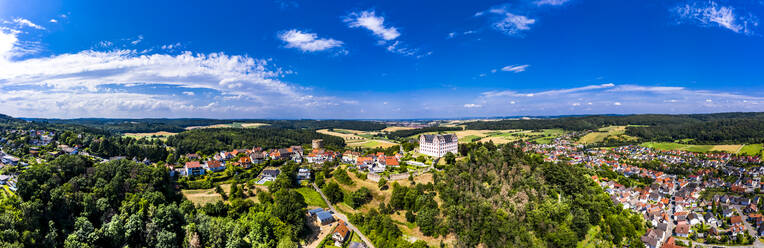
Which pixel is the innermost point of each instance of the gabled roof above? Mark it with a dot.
(193, 164)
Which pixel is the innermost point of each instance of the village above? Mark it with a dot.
(716, 204)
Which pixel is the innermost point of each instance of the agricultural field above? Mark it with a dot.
(694, 148)
(231, 125)
(503, 136)
(354, 138)
(155, 135)
(602, 134)
(393, 129)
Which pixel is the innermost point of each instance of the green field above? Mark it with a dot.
(312, 198)
(676, 146)
(701, 148)
(752, 150)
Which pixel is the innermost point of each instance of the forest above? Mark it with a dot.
(502, 197)
(406, 133)
(72, 202)
(211, 140)
(179, 125)
(701, 128)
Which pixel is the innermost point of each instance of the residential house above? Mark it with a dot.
(303, 174)
(215, 166)
(245, 162)
(340, 234)
(272, 174)
(682, 229)
(194, 168)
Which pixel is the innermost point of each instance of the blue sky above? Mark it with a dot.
(370, 59)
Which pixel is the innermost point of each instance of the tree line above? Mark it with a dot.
(211, 140)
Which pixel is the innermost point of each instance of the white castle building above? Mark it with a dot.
(437, 145)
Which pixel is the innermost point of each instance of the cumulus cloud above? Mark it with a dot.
(515, 68)
(386, 35)
(307, 42)
(508, 22)
(711, 14)
(376, 24)
(53, 20)
(118, 83)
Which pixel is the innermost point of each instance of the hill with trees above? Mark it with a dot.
(72, 202)
(210, 140)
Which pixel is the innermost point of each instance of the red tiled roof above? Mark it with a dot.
(193, 164)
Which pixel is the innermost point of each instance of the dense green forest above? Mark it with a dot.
(71, 202)
(179, 125)
(406, 133)
(701, 128)
(502, 197)
(210, 140)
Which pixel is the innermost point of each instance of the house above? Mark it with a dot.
(303, 174)
(245, 162)
(737, 219)
(324, 217)
(682, 229)
(11, 160)
(340, 234)
(438, 145)
(270, 173)
(761, 230)
(193, 156)
(314, 211)
(257, 157)
(215, 165)
(710, 219)
(652, 238)
(194, 168)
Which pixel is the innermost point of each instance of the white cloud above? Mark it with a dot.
(189, 93)
(117, 83)
(171, 46)
(376, 24)
(472, 105)
(515, 68)
(53, 20)
(612, 98)
(137, 40)
(712, 14)
(550, 2)
(28, 23)
(508, 22)
(307, 42)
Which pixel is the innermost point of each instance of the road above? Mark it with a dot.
(343, 218)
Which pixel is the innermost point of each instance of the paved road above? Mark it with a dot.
(344, 218)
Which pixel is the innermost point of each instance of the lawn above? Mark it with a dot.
(752, 149)
(312, 198)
